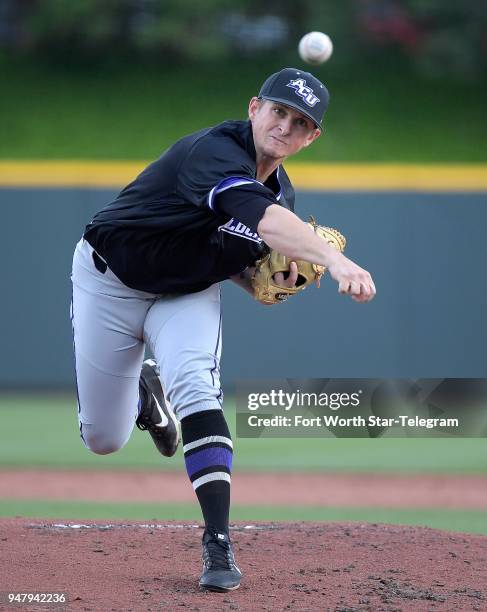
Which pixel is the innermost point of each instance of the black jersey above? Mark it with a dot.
(190, 218)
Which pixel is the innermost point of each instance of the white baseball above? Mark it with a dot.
(315, 47)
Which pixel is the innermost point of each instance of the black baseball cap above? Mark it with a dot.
(300, 90)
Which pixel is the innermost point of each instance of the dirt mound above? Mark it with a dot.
(307, 566)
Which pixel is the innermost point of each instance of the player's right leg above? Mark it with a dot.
(108, 320)
(184, 333)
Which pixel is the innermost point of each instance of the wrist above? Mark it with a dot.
(330, 256)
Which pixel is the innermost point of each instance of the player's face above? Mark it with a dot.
(279, 131)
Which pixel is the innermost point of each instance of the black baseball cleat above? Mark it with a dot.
(219, 570)
(155, 415)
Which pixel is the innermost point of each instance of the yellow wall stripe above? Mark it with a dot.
(382, 177)
(68, 173)
(340, 177)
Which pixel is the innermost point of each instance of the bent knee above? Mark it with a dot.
(101, 443)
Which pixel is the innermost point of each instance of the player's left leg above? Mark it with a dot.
(113, 393)
(107, 320)
(184, 334)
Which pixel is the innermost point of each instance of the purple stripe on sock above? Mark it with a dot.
(206, 458)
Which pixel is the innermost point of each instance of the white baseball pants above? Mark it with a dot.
(113, 324)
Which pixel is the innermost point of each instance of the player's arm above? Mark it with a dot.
(283, 231)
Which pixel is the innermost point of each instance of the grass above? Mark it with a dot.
(470, 521)
(41, 431)
(128, 112)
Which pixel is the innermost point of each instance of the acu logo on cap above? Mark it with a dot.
(303, 91)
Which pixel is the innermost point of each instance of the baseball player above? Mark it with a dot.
(146, 273)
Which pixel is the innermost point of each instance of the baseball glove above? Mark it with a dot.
(263, 284)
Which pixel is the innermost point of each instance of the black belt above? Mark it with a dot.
(100, 265)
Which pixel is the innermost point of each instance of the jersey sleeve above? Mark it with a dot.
(218, 174)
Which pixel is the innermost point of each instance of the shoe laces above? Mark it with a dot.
(218, 555)
(144, 421)
(146, 424)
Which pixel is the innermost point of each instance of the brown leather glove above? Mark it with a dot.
(263, 283)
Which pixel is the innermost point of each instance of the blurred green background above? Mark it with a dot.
(376, 113)
(123, 79)
(50, 439)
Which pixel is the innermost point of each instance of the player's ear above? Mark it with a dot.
(312, 137)
(254, 106)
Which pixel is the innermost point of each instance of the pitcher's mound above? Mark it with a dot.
(305, 566)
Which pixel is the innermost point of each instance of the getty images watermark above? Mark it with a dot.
(297, 399)
(324, 407)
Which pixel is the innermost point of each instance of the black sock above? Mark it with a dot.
(208, 454)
